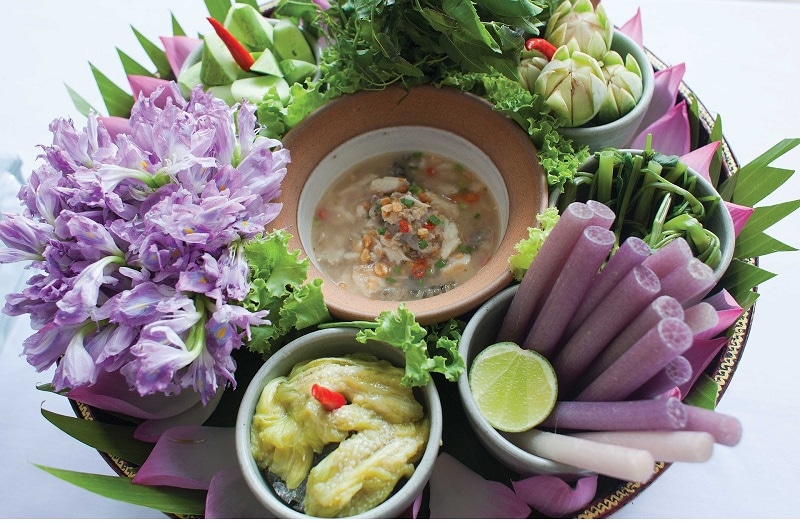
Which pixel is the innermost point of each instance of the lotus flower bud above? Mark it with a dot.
(623, 89)
(572, 85)
(530, 65)
(580, 20)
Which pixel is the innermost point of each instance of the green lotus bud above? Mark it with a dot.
(572, 85)
(580, 20)
(530, 65)
(623, 86)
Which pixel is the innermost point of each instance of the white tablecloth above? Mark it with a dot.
(741, 60)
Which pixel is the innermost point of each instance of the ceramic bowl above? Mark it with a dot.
(439, 120)
(329, 343)
(480, 332)
(719, 222)
(619, 133)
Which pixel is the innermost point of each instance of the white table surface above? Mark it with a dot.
(741, 59)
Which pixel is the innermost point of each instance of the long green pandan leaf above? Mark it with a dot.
(108, 438)
(177, 30)
(118, 102)
(757, 180)
(167, 499)
(753, 242)
(131, 66)
(218, 9)
(704, 393)
(715, 167)
(156, 55)
(741, 278)
(83, 106)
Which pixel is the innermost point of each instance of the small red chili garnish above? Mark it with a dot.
(419, 269)
(403, 226)
(430, 170)
(541, 45)
(240, 54)
(466, 197)
(429, 225)
(329, 399)
(321, 214)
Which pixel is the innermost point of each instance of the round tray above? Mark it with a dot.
(612, 494)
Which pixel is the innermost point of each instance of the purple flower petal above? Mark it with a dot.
(220, 503)
(150, 430)
(147, 86)
(671, 133)
(740, 215)
(665, 94)
(188, 457)
(633, 28)
(554, 497)
(727, 309)
(111, 392)
(700, 355)
(700, 159)
(459, 492)
(177, 49)
(115, 125)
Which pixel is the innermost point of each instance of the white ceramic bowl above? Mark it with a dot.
(330, 343)
(455, 124)
(480, 332)
(619, 133)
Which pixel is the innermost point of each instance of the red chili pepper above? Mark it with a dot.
(541, 45)
(419, 269)
(329, 399)
(240, 54)
(403, 226)
(429, 225)
(430, 170)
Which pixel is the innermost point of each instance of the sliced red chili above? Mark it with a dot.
(419, 269)
(541, 45)
(240, 54)
(403, 226)
(329, 399)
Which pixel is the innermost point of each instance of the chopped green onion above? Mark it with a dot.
(466, 249)
(407, 202)
(414, 189)
(423, 244)
(381, 231)
(434, 220)
(441, 263)
(477, 216)
(391, 280)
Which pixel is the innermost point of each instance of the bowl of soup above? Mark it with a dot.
(409, 196)
(305, 454)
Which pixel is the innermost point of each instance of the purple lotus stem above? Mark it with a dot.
(662, 307)
(665, 341)
(700, 355)
(725, 429)
(703, 319)
(569, 290)
(676, 372)
(629, 297)
(672, 255)
(689, 283)
(629, 254)
(540, 276)
(603, 215)
(651, 414)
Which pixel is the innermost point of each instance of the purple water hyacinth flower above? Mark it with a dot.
(134, 238)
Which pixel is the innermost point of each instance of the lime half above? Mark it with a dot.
(515, 389)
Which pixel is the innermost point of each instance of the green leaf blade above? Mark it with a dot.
(80, 103)
(757, 180)
(118, 101)
(218, 9)
(156, 55)
(131, 66)
(108, 438)
(167, 499)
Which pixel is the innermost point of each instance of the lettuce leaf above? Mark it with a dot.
(528, 248)
(278, 284)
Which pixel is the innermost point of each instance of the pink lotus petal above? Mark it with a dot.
(458, 492)
(633, 28)
(116, 125)
(146, 86)
(700, 159)
(112, 393)
(151, 430)
(727, 309)
(700, 355)
(740, 214)
(229, 497)
(553, 497)
(177, 49)
(666, 84)
(188, 457)
(671, 133)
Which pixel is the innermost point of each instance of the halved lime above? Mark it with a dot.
(515, 389)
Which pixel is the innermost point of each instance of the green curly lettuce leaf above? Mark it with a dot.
(277, 284)
(529, 247)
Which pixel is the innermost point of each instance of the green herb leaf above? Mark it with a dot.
(118, 101)
(704, 393)
(752, 242)
(740, 279)
(177, 30)
(167, 499)
(83, 106)
(757, 180)
(156, 55)
(108, 438)
(715, 167)
(218, 9)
